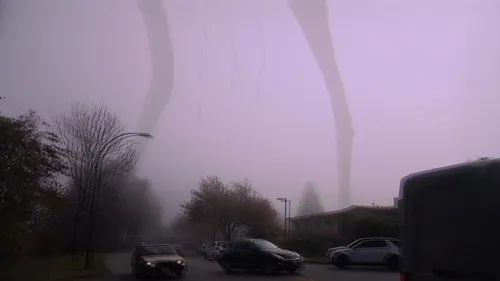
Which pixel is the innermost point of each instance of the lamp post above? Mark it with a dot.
(289, 219)
(98, 172)
(283, 199)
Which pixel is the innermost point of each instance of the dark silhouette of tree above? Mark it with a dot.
(310, 202)
(30, 165)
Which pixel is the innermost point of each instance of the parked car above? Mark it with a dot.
(369, 251)
(201, 249)
(150, 260)
(261, 255)
(212, 252)
(352, 244)
(178, 249)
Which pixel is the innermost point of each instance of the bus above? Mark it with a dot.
(450, 223)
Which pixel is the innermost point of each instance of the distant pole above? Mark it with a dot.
(289, 219)
(283, 199)
(286, 201)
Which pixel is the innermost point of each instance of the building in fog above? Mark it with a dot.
(336, 223)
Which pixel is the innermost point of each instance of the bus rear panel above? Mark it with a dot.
(450, 223)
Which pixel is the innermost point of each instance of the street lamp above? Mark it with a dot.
(98, 172)
(289, 219)
(283, 199)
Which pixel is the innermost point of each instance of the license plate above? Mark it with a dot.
(165, 271)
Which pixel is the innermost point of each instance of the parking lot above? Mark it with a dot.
(200, 269)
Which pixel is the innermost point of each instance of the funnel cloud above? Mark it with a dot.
(162, 64)
(312, 16)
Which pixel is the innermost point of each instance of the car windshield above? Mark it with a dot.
(264, 244)
(395, 242)
(159, 250)
(354, 243)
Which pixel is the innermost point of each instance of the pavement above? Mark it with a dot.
(201, 270)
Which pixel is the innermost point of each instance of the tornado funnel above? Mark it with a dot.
(162, 64)
(312, 16)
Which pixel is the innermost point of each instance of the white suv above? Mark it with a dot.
(367, 251)
(352, 244)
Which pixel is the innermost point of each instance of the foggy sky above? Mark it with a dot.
(421, 79)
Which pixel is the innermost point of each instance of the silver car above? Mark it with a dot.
(367, 251)
(213, 251)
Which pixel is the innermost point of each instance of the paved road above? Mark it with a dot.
(200, 269)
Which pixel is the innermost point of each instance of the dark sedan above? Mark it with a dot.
(260, 255)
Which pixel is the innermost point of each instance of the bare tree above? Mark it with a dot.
(90, 142)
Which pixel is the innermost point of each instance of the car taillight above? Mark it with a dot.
(405, 276)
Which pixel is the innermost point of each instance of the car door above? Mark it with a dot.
(236, 254)
(369, 252)
(247, 255)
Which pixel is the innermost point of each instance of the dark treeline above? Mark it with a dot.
(49, 172)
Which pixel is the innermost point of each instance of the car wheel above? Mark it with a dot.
(293, 271)
(393, 263)
(205, 255)
(135, 271)
(226, 267)
(139, 272)
(341, 262)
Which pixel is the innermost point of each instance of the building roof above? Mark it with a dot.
(341, 211)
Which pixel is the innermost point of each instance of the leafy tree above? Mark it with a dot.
(30, 166)
(310, 202)
(229, 206)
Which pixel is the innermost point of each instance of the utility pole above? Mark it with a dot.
(289, 219)
(285, 200)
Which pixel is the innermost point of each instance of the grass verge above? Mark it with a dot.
(59, 268)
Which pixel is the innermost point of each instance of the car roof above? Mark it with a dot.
(256, 239)
(151, 245)
(376, 238)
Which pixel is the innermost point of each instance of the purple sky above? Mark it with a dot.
(421, 79)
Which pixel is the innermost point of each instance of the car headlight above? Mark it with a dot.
(150, 264)
(277, 256)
